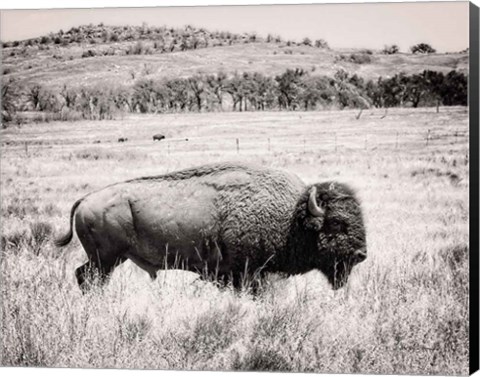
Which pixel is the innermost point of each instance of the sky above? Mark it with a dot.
(444, 25)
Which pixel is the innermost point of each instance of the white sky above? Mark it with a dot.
(444, 25)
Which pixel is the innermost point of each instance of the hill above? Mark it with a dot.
(98, 55)
(99, 72)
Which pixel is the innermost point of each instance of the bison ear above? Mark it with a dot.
(313, 208)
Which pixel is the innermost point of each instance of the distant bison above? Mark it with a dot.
(226, 221)
(158, 137)
(122, 139)
(97, 142)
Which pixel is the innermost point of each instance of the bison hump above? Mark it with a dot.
(231, 180)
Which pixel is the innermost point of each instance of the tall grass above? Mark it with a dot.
(405, 309)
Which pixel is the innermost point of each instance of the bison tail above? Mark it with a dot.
(64, 240)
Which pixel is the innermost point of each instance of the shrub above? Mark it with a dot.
(422, 48)
(88, 54)
(262, 359)
(390, 50)
(33, 239)
(40, 233)
(136, 49)
(307, 42)
(321, 43)
(94, 153)
(361, 58)
(14, 240)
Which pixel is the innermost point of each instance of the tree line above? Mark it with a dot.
(294, 89)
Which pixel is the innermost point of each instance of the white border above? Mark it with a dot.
(45, 4)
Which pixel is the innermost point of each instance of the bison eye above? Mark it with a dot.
(336, 226)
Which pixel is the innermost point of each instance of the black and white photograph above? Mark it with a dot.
(256, 187)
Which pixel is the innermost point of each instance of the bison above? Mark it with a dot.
(122, 139)
(226, 221)
(158, 137)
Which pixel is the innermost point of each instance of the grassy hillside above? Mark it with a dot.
(57, 60)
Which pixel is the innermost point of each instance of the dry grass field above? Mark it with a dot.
(404, 310)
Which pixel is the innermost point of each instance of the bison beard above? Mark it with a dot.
(235, 221)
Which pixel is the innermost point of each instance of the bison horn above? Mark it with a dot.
(313, 207)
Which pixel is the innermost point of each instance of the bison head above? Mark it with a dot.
(336, 231)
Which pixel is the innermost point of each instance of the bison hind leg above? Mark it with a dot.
(91, 274)
(87, 276)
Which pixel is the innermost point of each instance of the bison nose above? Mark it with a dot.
(338, 283)
(360, 255)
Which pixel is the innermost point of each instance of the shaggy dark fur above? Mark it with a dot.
(328, 244)
(225, 221)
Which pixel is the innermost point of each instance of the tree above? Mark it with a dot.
(350, 91)
(144, 96)
(316, 91)
(266, 91)
(393, 90)
(415, 90)
(321, 43)
(433, 81)
(179, 94)
(250, 89)
(422, 48)
(34, 95)
(69, 97)
(289, 86)
(48, 101)
(216, 85)
(122, 97)
(454, 89)
(10, 91)
(197, 87)
(234, 87)
(390, 50)
(373, 90)
(307, 41)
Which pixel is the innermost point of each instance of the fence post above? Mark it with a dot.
(168, 148)
(366, 141)
(335, 141)
(396, 141)
(428, 137)
(238, 146)
(26, 148)
(456, 136)
(269, 144)
(304, 142)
